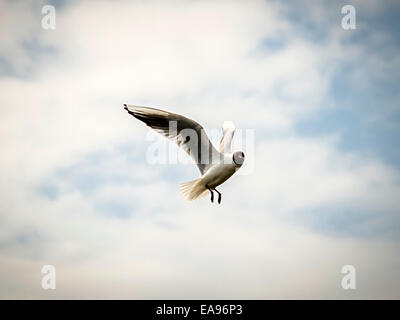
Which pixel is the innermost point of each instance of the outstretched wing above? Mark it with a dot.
(187, 133)
(228, 130)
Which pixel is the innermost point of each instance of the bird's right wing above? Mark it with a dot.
(228, 130)
(187, 133)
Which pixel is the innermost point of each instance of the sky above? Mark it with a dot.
(319, 190)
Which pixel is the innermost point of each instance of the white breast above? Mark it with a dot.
(219, 173)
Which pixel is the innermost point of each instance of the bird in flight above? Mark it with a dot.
(216, 166)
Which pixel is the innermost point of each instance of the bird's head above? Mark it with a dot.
(238, 158)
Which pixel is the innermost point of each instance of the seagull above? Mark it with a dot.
(215, 166)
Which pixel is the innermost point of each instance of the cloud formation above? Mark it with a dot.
(78, 193)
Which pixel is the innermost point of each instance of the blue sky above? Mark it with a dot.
(320, 188)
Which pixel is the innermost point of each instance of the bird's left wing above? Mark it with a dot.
(187, 133)
(228, 130)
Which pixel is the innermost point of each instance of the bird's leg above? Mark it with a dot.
(219, 195)
(212, 193)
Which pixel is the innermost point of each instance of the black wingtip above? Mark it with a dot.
(129, 111)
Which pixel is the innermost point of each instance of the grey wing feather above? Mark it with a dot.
(187, 133)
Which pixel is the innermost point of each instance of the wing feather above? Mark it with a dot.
(228, 130)
(187, 133)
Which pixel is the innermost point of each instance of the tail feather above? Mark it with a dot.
(193, 190)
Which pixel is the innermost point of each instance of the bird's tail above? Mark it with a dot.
(193, 190)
